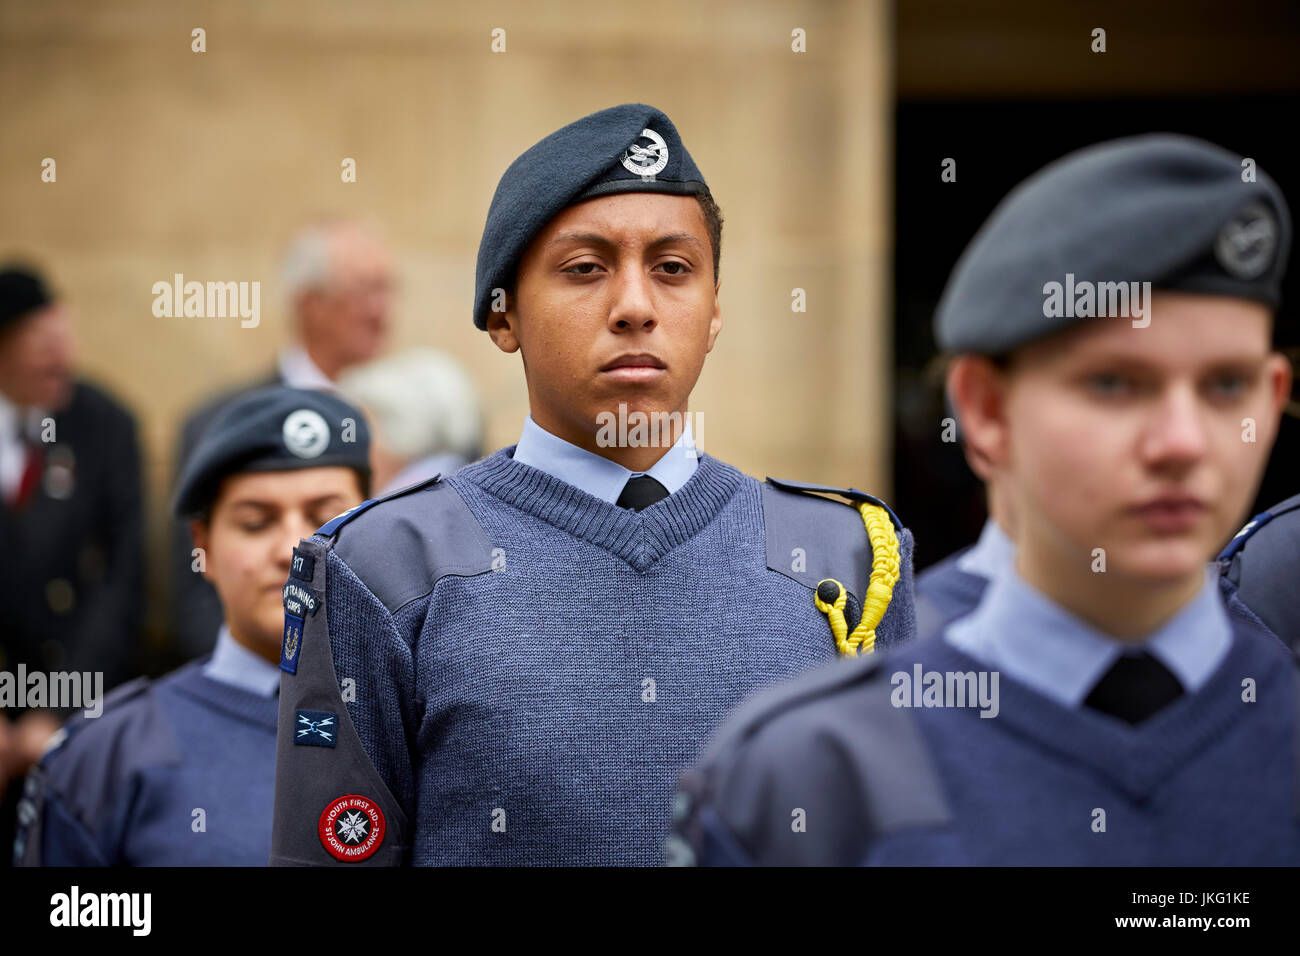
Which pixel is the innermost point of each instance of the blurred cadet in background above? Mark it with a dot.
(424, 416)
(338, 288)
(180, 771)
(71, 521)
(1134, 716)
(1261, 566)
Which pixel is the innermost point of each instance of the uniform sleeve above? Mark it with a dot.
(49, 831)
(344, 791)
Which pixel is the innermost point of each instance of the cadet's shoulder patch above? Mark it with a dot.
(303, 565)
(853, 494)
(290, 643)
(331, 527)
(299, 601)
(315, 728)
(352, 828)
(1248, 531)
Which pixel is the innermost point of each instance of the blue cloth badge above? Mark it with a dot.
(315, 728)
(303, 566)
(298, 600)
(291, 644)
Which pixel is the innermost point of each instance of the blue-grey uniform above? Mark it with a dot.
(1260, 566)
(523, 655)
(1020, 734)
(953, 587)
(180, 771)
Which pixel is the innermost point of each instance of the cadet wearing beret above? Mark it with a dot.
(1260, 567)
(1101, 704)
(525, 654)
(180, 771)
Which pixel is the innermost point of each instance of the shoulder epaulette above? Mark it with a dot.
(112, 700)
(862, 546)
(331, 527)
(805, 487)
(1254, 524)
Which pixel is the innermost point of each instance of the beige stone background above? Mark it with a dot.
(173, 161)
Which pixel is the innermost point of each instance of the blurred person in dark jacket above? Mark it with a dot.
(71, 535)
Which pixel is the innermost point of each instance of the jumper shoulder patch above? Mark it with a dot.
(811, 538)
(1255, 524)
(805, 487)
(331, 527)
(852, 554)
(400, 551)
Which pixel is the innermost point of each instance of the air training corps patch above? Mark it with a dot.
(298, 600)
(291, 644)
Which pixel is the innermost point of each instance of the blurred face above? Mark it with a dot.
(256, 522)
(1146, 442)
(615, 302)
(36, 355)
(345, 322)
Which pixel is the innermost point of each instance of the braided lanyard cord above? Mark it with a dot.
(831, 597)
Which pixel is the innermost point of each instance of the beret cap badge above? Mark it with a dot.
(1247, 242)
(646, 160)
(306, 433)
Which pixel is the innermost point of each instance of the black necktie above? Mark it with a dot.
(641, 492)
(1134, 688)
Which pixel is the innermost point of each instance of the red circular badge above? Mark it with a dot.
(352, 828)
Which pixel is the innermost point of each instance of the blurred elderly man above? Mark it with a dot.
(338, 285)
(424, 413)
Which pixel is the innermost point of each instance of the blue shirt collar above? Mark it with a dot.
(993, 553)
(1020, 632)
(599, 476)
(233, 663)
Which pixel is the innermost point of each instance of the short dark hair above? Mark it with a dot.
(713, 222)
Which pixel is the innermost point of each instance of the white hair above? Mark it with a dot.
(421, 403)
(307, 262)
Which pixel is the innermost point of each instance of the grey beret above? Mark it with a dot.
(273, 429)
(628, 148)
(1160, 208)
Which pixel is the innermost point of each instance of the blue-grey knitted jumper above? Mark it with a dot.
(540, 713)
